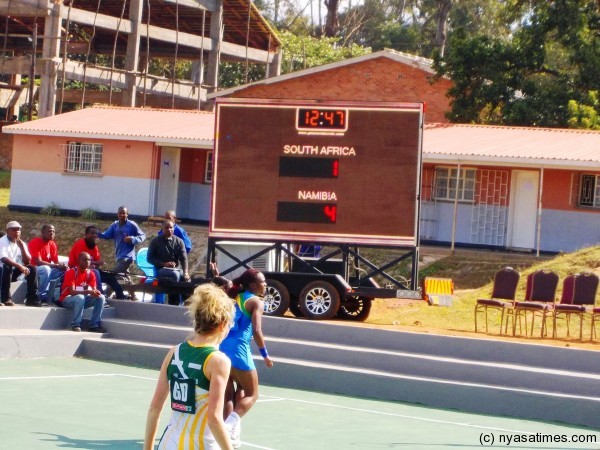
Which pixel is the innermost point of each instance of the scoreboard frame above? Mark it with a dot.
(306, 171)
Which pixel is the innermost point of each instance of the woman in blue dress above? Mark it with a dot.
(242, 390)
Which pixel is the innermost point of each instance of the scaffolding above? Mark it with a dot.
(104, 47)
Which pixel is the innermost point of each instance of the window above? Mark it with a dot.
(589, 194)
(83, 158)
(445, 184)
(208, 171)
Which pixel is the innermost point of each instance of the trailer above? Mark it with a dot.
(344, 176)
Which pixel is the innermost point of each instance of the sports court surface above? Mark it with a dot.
(70, 403)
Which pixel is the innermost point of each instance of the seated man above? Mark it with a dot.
(79, 292)
(44, 255)
(88, 245)
(168, 256)
(178, 231)
(16, 260)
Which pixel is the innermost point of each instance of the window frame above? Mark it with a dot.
(592, 193)
(465, 184)
(87, 163)
(208, 167)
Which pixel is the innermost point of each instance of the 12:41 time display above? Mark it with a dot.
(322, 119)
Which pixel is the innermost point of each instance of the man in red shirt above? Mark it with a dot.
(79, 292)
(44, 255)
(88, 245)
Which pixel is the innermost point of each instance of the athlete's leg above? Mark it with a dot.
(247, 382)
(229, 398)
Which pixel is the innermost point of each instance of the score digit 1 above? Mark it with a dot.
(330, 212)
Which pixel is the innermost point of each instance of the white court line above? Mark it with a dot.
(274, 398)
(49, 377)
(404, 416)
(247, 444)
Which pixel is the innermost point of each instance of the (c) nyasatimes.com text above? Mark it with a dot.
(504, 439)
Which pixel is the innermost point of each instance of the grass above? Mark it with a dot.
(4, 196)
(459, 319)
(4, 179)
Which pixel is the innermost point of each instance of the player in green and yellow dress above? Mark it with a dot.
(194, 375)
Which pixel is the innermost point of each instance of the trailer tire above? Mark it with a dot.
(276, 299)
(355, 308)
(319, 300)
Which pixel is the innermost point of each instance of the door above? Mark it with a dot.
(168, 180)
(523, 208)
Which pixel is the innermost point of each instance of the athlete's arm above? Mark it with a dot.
(156, 405)
(255, 306)
(217, 371)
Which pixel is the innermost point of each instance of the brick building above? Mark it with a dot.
(386, 75)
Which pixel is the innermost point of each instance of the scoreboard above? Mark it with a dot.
(317, 171)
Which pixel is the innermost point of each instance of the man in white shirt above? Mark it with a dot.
(16, 260)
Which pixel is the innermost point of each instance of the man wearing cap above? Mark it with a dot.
(16, 260)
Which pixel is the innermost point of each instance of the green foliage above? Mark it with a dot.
(551, 58)
(303, 52)
(585, 114)
(234, 74)
(88, 214)
(51, 210)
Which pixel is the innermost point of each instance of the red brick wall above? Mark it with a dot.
(379, 79)
(6, 146)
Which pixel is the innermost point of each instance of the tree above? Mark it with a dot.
(529, 77)
(303, 52)
(585, 114)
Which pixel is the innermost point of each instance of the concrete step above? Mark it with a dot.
(35, 343)
(484, 349)
(146, 332)
(44, 318)
(404, 363)
(340, 333)
(151, 312)
(472, 397)
(124, 352)
(501, 375)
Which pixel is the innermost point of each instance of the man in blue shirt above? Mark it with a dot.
(126, 235)
(178, 231)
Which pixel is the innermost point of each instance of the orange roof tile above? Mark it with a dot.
(524, 146)
(177, 127)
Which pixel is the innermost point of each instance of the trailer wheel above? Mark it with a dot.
(276, 299)
(355, 308)
(319, 300)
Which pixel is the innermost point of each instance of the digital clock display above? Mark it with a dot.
(310, 119)
(306, 212)
(290, 166)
